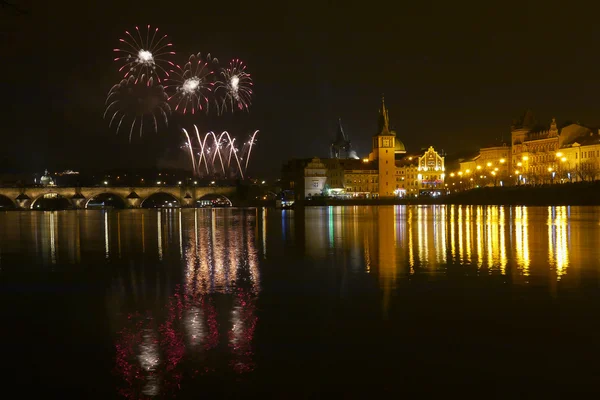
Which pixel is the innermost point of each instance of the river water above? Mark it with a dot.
(321, 302)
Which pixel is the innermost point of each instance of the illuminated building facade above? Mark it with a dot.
(314, 178)
(363, 181)
(579, 160)
(536, 154)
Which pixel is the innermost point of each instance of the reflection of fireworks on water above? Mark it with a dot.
(135, 101)
(216, 153)
(192, 84)
(144, 54)
(234, 87)
(244, 321)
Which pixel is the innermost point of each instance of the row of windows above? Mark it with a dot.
(350, 181)
(589, 154)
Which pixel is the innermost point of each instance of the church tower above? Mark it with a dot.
(384, 143)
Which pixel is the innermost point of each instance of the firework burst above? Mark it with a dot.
(192, 85)
(144, 54)
(234, 87)
(137, 102)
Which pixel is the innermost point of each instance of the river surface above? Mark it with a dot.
(326, 302)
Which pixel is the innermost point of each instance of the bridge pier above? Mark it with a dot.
(23, 202)
(188, 201)
(133, 203)
(78, 201)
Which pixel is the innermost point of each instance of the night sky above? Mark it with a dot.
(454, 74)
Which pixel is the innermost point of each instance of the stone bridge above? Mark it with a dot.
(133, 197)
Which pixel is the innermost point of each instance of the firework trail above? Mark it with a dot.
(192, 85)
(135, 101)
(234, 87)
(144, 54)
(210, 149)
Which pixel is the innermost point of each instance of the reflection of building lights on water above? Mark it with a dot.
(452, 233)
(180, 236)
(106, 241)
(522, 239)
(479, 249)
(159, 232)
(558, 251)
(501, 225)
(468, 236)
(264, 232)
(52, 239)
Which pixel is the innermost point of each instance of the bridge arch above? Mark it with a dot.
(110, 195)
(7, 202)
(62, 202)
(213, 199)
(159, 200)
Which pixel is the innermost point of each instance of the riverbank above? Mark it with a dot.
(582, 193)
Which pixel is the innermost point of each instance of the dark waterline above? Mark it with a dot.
(317, 302)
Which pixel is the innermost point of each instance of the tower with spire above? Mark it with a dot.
(341, 146)
(384, 143)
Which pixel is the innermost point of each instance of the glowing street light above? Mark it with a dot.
(519, 164)
(489, 164)
(479, 167)
(563, 159)
(502, 161)
(525, 158)
(559, 154)
(106, 182)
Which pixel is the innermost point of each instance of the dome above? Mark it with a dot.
(47, 180)
(399, 148)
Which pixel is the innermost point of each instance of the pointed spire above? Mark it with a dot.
(384, 118)
(340, 133)
(386, 115)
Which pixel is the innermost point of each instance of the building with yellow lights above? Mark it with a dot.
(579, 159)
(536, 154)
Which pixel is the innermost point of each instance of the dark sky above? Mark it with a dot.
(454, 74)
